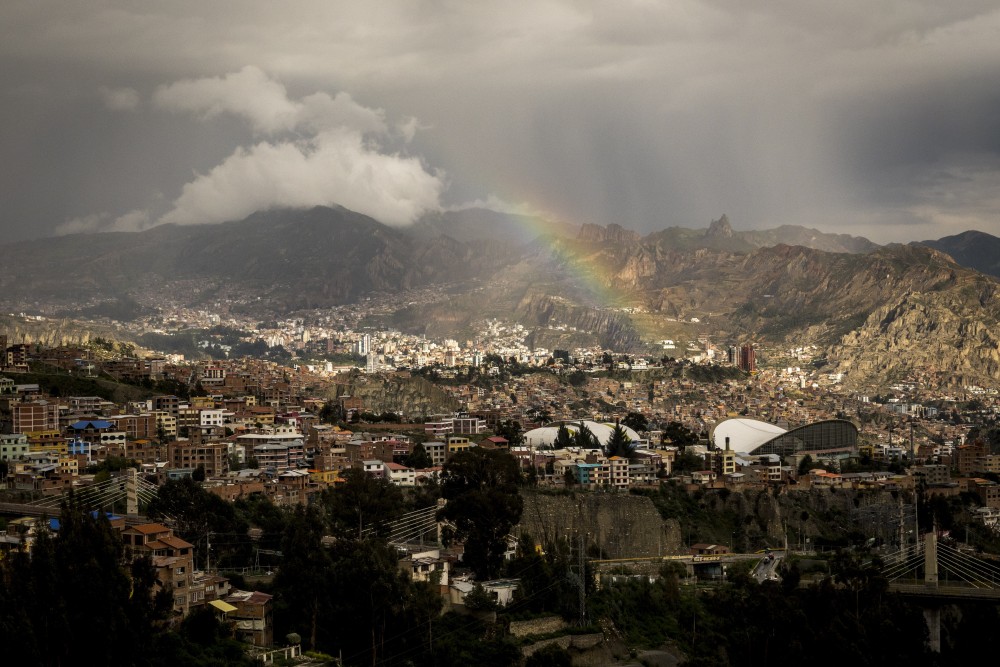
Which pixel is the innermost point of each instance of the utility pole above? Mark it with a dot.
(579, 577)
(583, 583)
(902, 525)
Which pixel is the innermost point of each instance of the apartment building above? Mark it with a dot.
(35, 416)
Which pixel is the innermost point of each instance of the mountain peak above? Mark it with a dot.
(720, 227)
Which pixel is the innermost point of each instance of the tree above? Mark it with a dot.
(539, 415)
(511, 430)
(636, 421)
(584, 438)
(418, 458)
(349, 597)
(688, 462)
(619, 444)
(199, 473)
(331, 412)
(483, 503)
(302, 581)
(552, 655)
(362, 503)
(51, 598)
(679, 435)
(479, 599)
(806, 464)
(196, 513)
(563, 438)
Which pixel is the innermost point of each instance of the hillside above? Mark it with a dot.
(880, 313)
(976, 250)
(289, 259)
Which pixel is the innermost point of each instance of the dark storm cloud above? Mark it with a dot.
(870, 119)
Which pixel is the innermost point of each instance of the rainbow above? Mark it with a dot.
(590, 269)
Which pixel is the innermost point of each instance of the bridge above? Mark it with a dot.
(129, 488)
(412, 526)
(936, 574)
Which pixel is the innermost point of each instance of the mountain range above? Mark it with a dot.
(881, 313)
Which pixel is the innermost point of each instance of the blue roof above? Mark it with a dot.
(93, 423)
(54, 522)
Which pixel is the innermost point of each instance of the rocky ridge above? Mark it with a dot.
(896, 310)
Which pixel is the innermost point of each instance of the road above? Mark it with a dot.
(766, 568)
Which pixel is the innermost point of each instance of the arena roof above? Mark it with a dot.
(745, 435)
(749, 436)
(546, 435)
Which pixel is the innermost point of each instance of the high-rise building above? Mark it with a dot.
(747, 358)
(364, 345)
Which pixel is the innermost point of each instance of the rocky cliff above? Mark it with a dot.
(936, 337)
(621, 525)
(611, 329)
(411, 396)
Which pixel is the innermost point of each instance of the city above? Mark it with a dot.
(557, 334)
(582, 421)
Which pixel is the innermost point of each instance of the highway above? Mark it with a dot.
(767, 568)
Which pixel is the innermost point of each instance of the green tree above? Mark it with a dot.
(479, 599)
(619, 444)
(234, 463)
(419, 458)
(512, 431)
(197, 513)
(481, 487)
(584, 438)
(362, 504)
(679, 435)
(302, 585)
(688, 462)
(539, 415)
(331, 412)
(636, 421)
(563, 438)
(51, 599)
(552, 655)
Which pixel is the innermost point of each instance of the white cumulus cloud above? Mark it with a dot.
(321, 150)
(335, 167)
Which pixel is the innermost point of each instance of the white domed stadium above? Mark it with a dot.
(753, 437)
(545, 436)
(745, 435)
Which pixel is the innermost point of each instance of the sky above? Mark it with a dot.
(874, 119)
